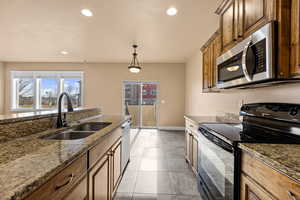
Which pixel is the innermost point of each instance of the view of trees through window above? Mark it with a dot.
(49, 94)
(73, 87)
(42, 92)
(25, 97)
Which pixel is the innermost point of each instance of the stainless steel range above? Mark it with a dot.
(219, 156)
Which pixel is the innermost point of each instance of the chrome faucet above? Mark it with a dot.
(63, 122)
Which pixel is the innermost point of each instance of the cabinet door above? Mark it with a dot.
(79, 192)
(228, 26)
(295, 38)
(116, 165)
(256, 13)
(99, 180)
(195, 154)
(187, 145)
(252, 191)
(206, 69)
(216, 52)
(191, 148)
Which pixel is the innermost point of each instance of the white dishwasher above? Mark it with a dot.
(125, 144)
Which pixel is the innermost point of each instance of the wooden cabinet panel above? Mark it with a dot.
(187, 145)
(116, 158)
(99, 180)
(79, 192)
(279, 185)
(63, 182)
(210, 51)
(195, 154)
(206, 69)
(227, 26)
(252, 191)
(295, 38)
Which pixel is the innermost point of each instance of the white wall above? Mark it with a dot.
(2, 88)
(198, 103)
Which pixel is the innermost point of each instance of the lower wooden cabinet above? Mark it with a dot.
(261, 182)
(99, 180)
(116, 165)
(252, 191)
(79, 192)
(105, 176)
(192, 149)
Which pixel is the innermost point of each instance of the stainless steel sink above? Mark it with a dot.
(92, 126)
(78, 132)
(69, 135)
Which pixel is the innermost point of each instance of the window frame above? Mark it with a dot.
(37, 76)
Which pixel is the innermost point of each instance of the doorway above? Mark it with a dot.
(140, 101)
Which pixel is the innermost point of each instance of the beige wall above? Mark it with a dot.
(2, 88)
(198, 103)
(103, 85)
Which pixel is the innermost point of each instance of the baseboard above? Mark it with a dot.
(171, 128)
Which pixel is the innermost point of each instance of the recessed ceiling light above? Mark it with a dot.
(64, 52)
(172, 11)
(87, 12)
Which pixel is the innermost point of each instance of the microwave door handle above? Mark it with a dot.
(244, 62)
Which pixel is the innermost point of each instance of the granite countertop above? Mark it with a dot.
(226, 118)
(28, 162)
(284, 158)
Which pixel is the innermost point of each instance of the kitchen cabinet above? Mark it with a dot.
(192, 145)
(251, 191)
(99, 180)
(210, 51)
(61, 184)
(79, 192)
(295, 38)
(116, 164)
(227, 25)
(106, 174)
(259, 181)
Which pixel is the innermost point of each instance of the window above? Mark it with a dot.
(39, 90)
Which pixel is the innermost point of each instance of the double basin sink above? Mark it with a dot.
(78, 132)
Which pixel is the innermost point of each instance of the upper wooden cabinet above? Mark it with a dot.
(210, 50)
(240, 18)
(295, 38)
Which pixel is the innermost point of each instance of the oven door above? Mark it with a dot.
(215, 167)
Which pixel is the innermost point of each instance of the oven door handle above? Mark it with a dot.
(244, 61)
(216, 141)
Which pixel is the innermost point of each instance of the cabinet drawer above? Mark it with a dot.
(191, 125)
(279, 185)
(58, 186)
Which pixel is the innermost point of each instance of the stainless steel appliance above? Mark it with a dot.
(219, 155)
(250, 61)
(125, 144)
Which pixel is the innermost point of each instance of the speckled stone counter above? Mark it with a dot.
(28, 162)
(226, 118)
(285, 158)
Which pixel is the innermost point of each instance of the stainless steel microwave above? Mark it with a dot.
(250, 61)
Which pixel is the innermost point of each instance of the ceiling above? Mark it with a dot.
(38, 30)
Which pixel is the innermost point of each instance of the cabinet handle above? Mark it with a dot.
(292, 195)
(71, 176)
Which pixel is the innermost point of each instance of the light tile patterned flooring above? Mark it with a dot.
(157, 169)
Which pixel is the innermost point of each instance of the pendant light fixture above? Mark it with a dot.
(134, 66)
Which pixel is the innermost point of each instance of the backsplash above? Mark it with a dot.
(24, 126)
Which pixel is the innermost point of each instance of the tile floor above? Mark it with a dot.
(157, 169)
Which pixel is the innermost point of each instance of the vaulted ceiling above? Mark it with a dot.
(38, 30)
